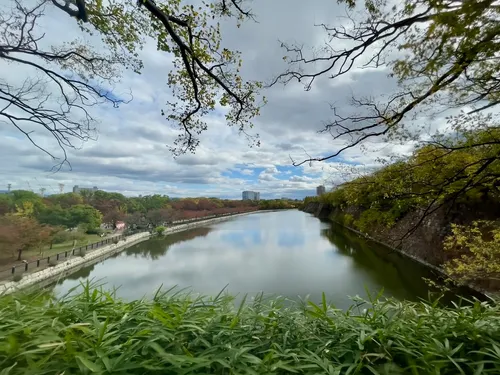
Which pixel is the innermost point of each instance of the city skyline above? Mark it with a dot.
(50, 192)
(250, 195)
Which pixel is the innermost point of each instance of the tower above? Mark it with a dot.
(8, 187)
(61, 188)
(42, 191)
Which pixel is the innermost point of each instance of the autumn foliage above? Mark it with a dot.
(18, 234)
(31, 222)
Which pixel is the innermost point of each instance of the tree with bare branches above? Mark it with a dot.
(205, 73)
(445, 56)
(61, 82)
(64, 81)
(443, 53)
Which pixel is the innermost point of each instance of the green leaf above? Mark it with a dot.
(93, 367)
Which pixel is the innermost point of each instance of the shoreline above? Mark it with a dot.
(50, 275)
(475, 289)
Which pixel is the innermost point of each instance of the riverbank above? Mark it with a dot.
(424, 246)
(65, 268)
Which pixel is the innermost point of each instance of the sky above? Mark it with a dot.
(131, 155)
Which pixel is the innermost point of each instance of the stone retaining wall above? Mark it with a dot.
(52, 274)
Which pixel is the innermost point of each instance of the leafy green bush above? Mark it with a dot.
(309, 200)
(160, 230)
(479, 246)
(66, 236)
(431, 176)
(61, 237)
(348, 220)
(368, 219)
(97, 231)
(343, 219)
(335, 198)
(93, 332)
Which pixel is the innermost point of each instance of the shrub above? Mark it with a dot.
(97, 231)
(82, 252)
(335, 198)
(62, 236)
(342, 218)
(66, 236)
(479, 248)
(160, 230)
(115, 240)
(18, 276)
(182, 334)
(348, 220)
(368, 219)
(52, 263)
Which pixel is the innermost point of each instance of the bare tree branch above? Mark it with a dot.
(459, 67)
(201, 74)
(51, 100)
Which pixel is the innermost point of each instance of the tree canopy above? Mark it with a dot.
(444, 56)
(443, 53)
(454, 182)
(66, 79)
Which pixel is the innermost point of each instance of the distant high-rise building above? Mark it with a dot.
(320, 190)
(77, 189)
(250, 195)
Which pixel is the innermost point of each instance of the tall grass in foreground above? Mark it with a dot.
(93, 332)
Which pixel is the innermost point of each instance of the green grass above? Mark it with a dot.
(64, 246)
(9, 258)
(93, 332)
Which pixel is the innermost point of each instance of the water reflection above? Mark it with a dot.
(286, 253)
(158, 247)
(404, 278)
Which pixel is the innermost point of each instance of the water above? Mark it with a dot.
(288, 253)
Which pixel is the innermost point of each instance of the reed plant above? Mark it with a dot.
(94, 332)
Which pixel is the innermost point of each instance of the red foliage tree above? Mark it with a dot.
(161, 216)
(205, 204)
(18, 234)
(112, 216)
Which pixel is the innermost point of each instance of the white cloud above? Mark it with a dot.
(131, 154)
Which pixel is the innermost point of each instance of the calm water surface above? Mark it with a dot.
(288, 253)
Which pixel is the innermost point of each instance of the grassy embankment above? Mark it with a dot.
(93, 332)
(32, 254)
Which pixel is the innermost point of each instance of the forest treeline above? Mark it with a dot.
(460, 181)
(28, 220)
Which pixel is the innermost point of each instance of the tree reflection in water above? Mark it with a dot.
(152, 249)
(389, 267)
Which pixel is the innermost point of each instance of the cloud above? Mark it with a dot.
(264, 176)
(131, 154)
(301, 179)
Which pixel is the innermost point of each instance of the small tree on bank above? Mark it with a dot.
(478, 246)
(160, 230)
(18, 234)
